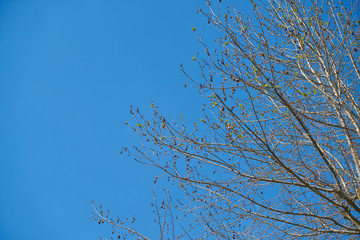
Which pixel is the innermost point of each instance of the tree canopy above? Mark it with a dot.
(276, 155)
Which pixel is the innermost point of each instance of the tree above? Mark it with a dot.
(276, 155)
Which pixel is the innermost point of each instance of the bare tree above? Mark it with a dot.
(276, 155)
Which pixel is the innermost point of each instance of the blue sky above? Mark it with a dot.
(69, 72)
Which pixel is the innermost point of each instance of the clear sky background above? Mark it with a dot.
(69, 71)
